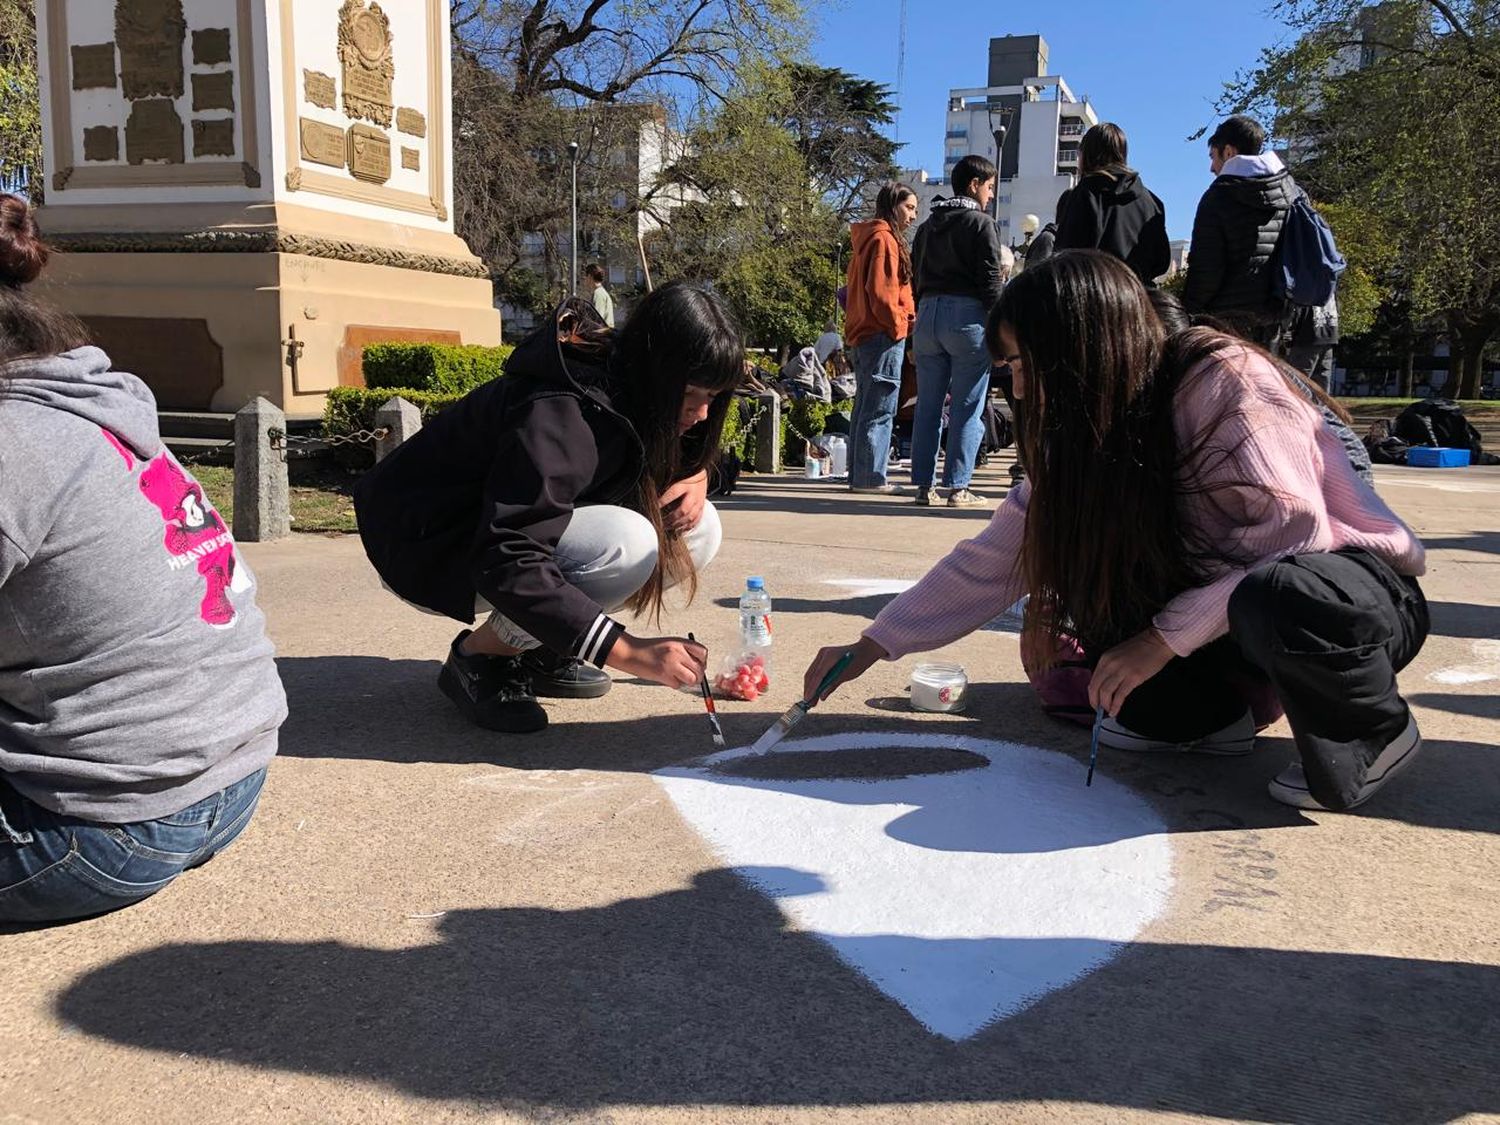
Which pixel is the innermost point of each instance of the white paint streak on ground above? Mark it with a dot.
(963, 896)
(1485, 668)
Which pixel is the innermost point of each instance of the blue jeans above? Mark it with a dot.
(55, 867)
(952, 362)
(877, 375)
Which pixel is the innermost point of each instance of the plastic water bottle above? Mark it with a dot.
(755, 620)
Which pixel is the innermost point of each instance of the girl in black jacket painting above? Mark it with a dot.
(571, 488)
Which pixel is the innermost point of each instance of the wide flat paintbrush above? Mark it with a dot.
(798, 711)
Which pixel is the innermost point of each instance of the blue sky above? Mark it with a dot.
(1154, 67)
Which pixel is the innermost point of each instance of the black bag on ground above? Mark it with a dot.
(1439, 422)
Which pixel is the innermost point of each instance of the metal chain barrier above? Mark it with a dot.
(280, 439)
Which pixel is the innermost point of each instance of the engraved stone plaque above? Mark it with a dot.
(214, 138)
(154, 132)
(319, 90)
(150, 34)
(369, 154)
(323, 144)
(101, 142)
(94, 67)
(411, 122)
(411, 159)
(366, 54)
(213, 91)
(211, 46)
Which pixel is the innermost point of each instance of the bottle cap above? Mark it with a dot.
(755, 583)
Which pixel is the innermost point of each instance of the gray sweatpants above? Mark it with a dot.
(609, 553)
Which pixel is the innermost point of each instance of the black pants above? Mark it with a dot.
(1327, 633)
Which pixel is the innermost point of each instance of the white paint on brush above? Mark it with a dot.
(964, 896)
(1485, 668)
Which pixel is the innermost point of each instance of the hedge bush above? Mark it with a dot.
(351, 409)
(453, 369)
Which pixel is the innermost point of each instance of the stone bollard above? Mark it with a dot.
(768, 434)
(262, 498)
(400, 420)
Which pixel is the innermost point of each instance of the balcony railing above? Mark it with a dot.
(957, 134)
(1067, 156)
(1070, 130)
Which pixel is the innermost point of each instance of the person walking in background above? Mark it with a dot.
(1111, 210)
(959, 271)
(1230, 273)
(593, 284)
(880, 315)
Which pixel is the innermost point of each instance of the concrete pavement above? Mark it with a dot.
(429, 923)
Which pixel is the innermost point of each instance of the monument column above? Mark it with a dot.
(250, 191)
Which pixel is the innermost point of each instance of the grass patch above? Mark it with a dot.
(1471, 406)
(322, 494)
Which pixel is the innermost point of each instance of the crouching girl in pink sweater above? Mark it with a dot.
(1193, 524)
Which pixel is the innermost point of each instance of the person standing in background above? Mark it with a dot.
(1235, 233)
(959, 271)
(1111, 210)
(593, 283)
(1311, 337)
(880, 315)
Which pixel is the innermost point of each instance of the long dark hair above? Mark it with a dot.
(678, 336)
(1107, 543)
(891, 196)
(28, 327)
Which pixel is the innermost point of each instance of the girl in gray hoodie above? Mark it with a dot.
(139, 700)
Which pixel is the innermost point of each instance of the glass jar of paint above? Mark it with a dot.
(938, 687)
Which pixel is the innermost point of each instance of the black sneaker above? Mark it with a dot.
(564, 677)
(493, 692)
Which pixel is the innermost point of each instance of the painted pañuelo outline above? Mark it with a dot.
(964, 896)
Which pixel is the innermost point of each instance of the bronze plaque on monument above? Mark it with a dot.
(150, 34)
(318, 89)
(411, 159)
(411, 122)
(323, 144)
(213, 138)
(94, 67)
(365, 51)
(211, 46)
(213, 91)
(369, 154)
(154, 132)
(101, 142)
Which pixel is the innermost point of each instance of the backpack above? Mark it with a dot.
(1439, 422)
(1307, 263)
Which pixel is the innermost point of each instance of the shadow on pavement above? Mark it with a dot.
(819, 499)
(370, 708)
(1463, 619)
(1484, 541)
(701, 996)
(1480, 706)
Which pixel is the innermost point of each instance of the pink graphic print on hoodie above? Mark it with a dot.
(195, 533)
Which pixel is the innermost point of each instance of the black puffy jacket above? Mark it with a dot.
(1235, 233)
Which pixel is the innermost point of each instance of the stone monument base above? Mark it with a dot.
(212, 309)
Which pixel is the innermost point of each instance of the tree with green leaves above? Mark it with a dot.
(20, 98)
(1392, 112)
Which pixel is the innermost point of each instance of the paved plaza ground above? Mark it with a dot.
(427, 922)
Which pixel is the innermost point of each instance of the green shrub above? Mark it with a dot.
(351, 409)
(436, 368)
(807, 418)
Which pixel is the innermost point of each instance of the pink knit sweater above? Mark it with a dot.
(1315, 503)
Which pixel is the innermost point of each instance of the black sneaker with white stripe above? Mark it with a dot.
(493, 692)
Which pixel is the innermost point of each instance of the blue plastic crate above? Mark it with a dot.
(1426, 457)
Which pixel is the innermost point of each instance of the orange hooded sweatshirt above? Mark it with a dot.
(878, 300)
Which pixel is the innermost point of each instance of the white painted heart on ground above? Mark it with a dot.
(964, 896)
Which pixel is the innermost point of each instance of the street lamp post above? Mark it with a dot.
(573, 242)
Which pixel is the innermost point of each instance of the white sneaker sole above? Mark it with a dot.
(1236, 739)
(1290, 786)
